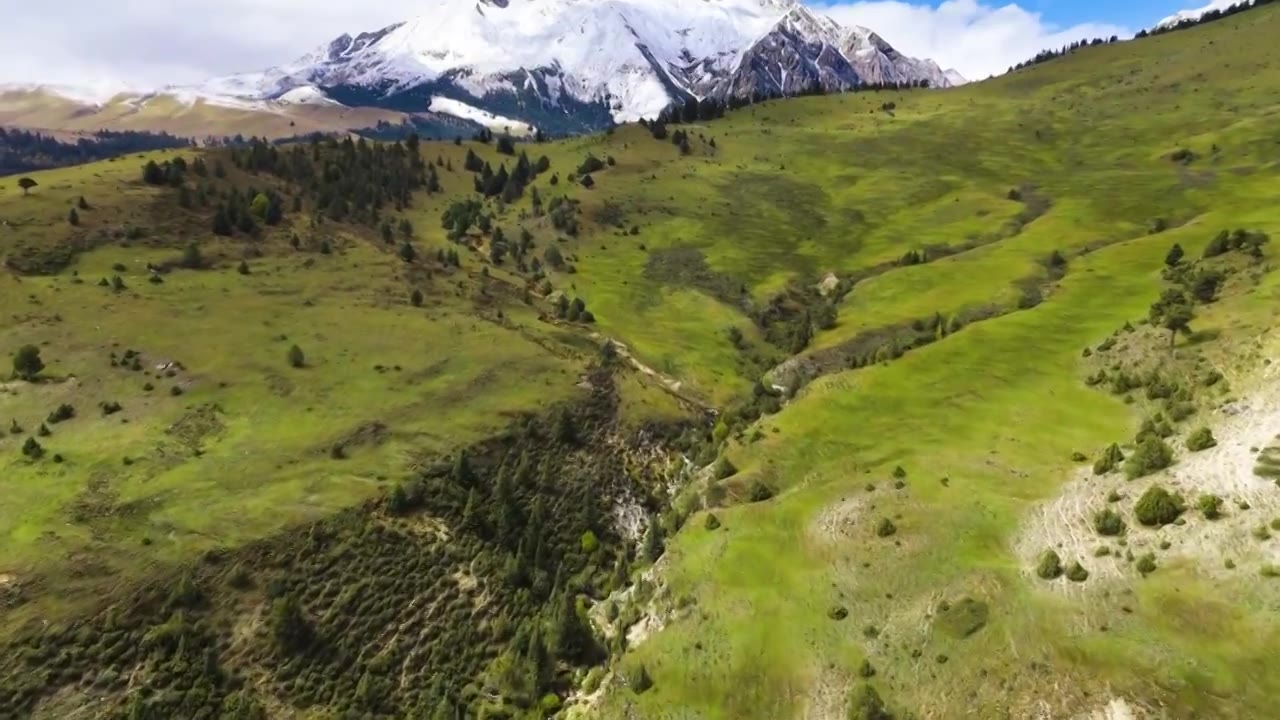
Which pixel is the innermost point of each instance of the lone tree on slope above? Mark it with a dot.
(26, 184)
(27, 363)
(1173, 313)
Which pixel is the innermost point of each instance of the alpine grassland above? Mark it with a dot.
(776, 415)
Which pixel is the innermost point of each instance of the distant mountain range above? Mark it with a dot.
(562, 66)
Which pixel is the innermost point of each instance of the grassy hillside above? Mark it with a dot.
(950, 291)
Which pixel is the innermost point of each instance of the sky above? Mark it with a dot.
(145, 44)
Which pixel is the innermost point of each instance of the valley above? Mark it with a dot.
(892, 403)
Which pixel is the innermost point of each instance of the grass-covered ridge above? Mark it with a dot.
(956, 268)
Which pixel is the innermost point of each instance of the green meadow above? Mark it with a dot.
(885, 552)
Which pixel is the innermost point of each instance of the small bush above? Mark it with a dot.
(1147, 564)
(885, 528)
(1110, 460)
(1108, 523)
(296, 358)
(713, 522)
(1201, 439)
(759, 492)
(1158, 507)
(639, 679)
(1077, 573)
(32, 449)
(1151, 455)
(1050, 565)
(865, 704)
(63, 413)
(1210, 506)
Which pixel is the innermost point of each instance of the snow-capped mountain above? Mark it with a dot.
(574, 65)
(1196, 13)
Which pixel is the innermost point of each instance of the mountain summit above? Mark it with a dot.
(576, 65)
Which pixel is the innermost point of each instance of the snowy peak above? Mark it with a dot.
(576, 65)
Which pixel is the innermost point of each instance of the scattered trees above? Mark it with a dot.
(27, 184)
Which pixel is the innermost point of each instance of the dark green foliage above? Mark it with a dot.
(289, 627)
(759, 492)
(1174, 256)
(62, 413)
(408, 253)
(243, 268)
(1210, 506)
(885, 528)
(1049, 566)
(1173, 312)
(639, 679)
(1201, 439)
(725, 468)
(1204, 286)
(1248, 242)
(865, 704)
(652, 547)
(32, 449)
(1108, 523)
(866, 669)
(27, 363)
(1146, 564)
(1077, 573)
(712, 522)
(1158, 506)
(296, 357)
(1151, 455)
(1110, 460)
(962, 618)
(415, 298)
(191, 257)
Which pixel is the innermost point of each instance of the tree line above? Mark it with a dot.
(25, 151)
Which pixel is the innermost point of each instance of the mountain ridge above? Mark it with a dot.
(570, 66)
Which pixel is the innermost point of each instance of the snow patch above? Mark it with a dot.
(1196, 13)
(306, 95)
(449, 106)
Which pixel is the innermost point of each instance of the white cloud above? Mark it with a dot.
(977, 39)
(149, 43)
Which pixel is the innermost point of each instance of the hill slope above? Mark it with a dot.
(954, 290)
